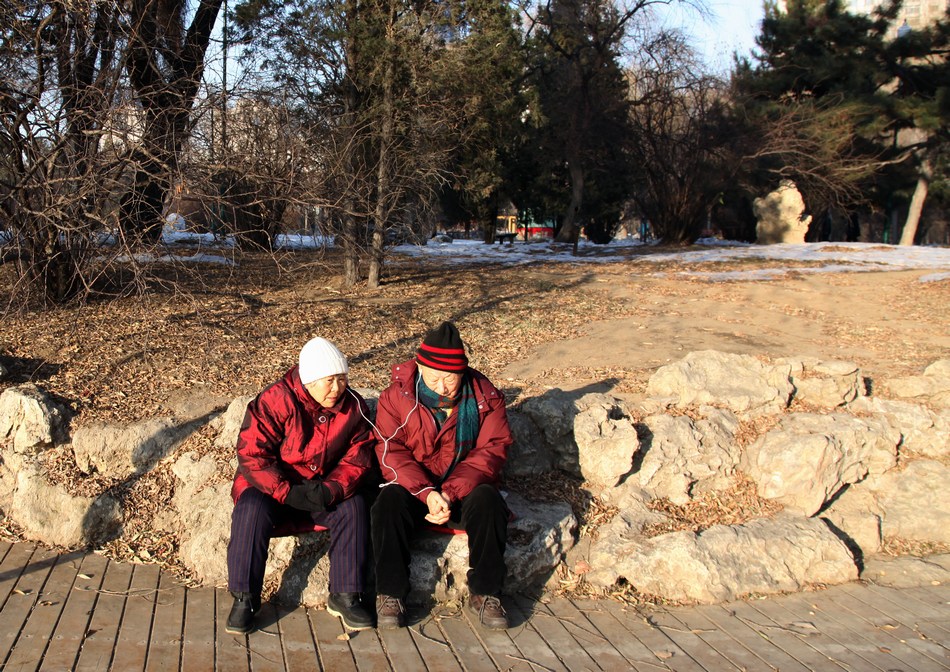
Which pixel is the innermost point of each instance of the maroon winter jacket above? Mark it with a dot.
(417, 454)
(287, 438)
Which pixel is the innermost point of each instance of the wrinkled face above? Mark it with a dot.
(327, 391)
(441, 382)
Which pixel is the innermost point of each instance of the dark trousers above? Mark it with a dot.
(252, 525)
(397, 514)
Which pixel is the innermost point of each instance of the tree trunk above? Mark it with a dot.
(383, 196)
(917, 203)
(569, 229)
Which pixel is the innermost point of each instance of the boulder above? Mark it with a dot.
(914, 501)
(554, 413)
(49, 514)
(120, 451)
(30, 420)
(922, 430)
(739, 383)
(808, 457)
(856, 514)
(934, 381)
(528, 455)
(683, 458)
(825, 383)
(606, 444)
(227, 425)
(723, 563)
(779, 216)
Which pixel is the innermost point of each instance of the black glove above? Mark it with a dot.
(311, 496)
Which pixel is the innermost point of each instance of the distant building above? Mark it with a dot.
(914, 15)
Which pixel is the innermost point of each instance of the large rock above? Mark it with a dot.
(779, 216)
(554, 414)
(529, 454)
(120, 451)
(606, 442)
(856, 514)
(915, 502)
(30, 420)
(227, 426)
(935, 381)
(49, 514)
(808, 457)
(723, 563)
(739, 383)
(825, 383)
(684, 458)
(922, 430)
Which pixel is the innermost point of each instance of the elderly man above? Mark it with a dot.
(442, 440)
(304, 447)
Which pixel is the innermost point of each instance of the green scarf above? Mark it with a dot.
(466, 428)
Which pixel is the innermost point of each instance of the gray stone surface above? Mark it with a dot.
(606, 441)
(915, 502)
(780, 216)
(30, 420)
(764, 556)
(808, 457)
(685, 457)
(825, 383)
(922, 430)
(739, 383)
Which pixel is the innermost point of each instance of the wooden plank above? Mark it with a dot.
(335, 652)
(666, 651)
(718, 636)
(401, 650)
(594, 643)
(429, 640)
(344, 650)
(782, 646)
(300, 649)
(690, 642)
(164, 649)
(528, 640)
(99, 642)
(131, 647)
(902, 603)
(197, 646)
(922, 655)
(839, 646)
(73, 625)
(761, 645)
(465, 643)
(556, 636)
(263, 641)
(231, 652)
(22, 598)
(637, 655)
(899, 611)
(36, 633)
(499, 644)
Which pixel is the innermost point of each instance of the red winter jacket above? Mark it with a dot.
(417, 455)
(287, 438)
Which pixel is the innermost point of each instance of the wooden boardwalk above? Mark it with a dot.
(79, 611)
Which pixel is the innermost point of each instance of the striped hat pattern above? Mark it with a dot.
(443, 350)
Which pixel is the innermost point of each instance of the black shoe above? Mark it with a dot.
(241, 618)
(348, 607)
(390, 612)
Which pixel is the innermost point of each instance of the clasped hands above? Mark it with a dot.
(312, 496)
(439, 508)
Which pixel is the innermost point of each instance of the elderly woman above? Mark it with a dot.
(304, 447)
(443, 438)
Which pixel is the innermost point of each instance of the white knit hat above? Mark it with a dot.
(319, 358)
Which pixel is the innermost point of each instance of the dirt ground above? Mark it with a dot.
(888, 323)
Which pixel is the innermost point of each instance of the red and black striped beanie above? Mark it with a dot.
(442, 349)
